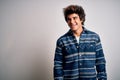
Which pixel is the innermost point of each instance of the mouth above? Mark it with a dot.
(73, 25)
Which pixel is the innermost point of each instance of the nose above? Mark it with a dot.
(72, 21)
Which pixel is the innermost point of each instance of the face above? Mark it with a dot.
(74, 22)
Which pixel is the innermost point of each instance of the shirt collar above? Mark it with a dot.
(84, 31)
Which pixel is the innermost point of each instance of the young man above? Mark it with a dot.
(79, 54)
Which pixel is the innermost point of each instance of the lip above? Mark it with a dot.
(73, 25)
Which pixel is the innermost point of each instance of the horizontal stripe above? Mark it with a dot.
(69, 44)
(79, 69)
(72, 55)
(88, 76)
(58, 53)
(100, 63)
(72, 74)
(58, 78)
(99, 49)
(91, 41)
(100, 58)
(66, 40)
(70, 41)
(82, 73)
(73, 43)
(98, 43)
(72, 78)
(77, 77)
(58, 67)
(87, 72)
(88, 38)
(80, 53)
(59, 48)
(58, 61)
(80, 60)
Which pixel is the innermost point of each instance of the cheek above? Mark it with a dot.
(81, 22)
(68, 23)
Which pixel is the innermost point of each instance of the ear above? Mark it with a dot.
(81, 20)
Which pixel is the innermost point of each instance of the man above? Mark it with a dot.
(79, 54)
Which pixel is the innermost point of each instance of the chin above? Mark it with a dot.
(73, 29)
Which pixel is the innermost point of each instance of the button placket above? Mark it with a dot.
(80, 57)
(80, 64)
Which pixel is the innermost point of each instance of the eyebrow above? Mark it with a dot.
(72, 17)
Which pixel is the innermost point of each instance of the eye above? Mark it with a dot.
(68, 19)
(74, 18)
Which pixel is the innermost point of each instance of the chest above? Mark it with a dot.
(84, 45)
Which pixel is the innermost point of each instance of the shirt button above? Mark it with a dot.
(80, 63)
(77, 47)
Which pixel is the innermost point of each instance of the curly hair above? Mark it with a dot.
(74, 9)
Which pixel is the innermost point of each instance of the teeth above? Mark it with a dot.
(74, 25)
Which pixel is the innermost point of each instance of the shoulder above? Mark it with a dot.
(62, 38)
(92, 35)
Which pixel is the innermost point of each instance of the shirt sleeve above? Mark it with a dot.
(58, 62)
(100, 61)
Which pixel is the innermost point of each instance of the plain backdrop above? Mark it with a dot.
(29, 30)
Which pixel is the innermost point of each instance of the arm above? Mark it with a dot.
(100, 61)
(58, 62)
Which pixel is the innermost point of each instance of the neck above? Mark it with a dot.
(78, 32)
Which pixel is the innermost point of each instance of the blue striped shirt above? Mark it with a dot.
(79, 61)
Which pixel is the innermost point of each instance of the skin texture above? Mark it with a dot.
(75, 24)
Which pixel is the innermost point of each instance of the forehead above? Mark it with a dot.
(72, 15)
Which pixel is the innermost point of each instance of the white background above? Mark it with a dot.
(29, 30)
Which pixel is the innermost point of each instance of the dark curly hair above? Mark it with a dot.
(74, 9)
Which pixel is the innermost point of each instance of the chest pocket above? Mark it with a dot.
(89, 47)
(70, 49)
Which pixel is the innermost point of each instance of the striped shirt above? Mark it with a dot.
(79, 61)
